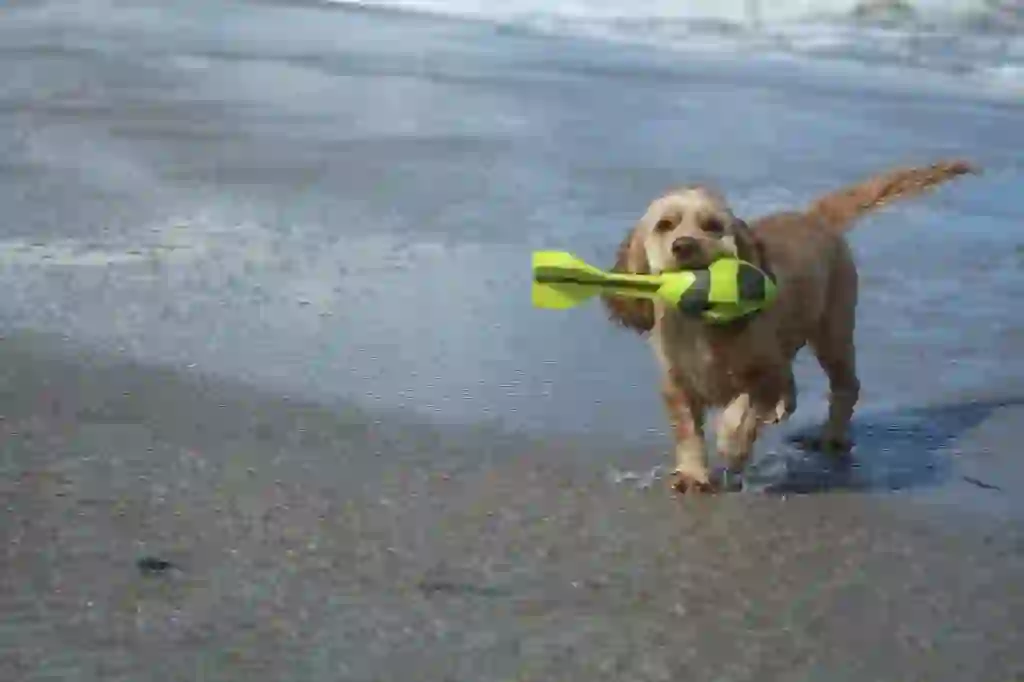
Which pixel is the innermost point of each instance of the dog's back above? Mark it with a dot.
(815, 271)
(809, 253)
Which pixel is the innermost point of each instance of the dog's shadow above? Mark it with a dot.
(894, 450)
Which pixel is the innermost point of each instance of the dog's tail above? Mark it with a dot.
(841, 208)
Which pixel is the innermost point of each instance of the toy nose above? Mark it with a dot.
(685, 248)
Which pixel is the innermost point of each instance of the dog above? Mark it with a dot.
(746, 367)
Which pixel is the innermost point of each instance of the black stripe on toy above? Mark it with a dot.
(695, 300)
(751, 283)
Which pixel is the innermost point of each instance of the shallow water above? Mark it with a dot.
(345, 202)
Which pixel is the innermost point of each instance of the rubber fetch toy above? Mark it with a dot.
(727, 290)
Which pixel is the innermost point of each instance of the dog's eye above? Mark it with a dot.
(712, 225)
(663, 225)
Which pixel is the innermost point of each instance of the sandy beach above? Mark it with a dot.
(313, 542)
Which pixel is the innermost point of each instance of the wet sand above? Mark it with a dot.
(312, 542)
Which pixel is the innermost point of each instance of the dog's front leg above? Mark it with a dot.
(686, 415)
(738, 426)
(770, 399)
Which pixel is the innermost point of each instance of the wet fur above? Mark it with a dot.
(746, 368)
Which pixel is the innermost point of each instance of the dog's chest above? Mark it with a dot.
(704, 365)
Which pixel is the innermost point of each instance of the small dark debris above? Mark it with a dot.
(153, 565)
(448, 587)
(981, 484)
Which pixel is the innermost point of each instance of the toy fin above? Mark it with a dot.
(560, 296)
(561, 280)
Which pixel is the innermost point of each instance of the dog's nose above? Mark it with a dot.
(685, 248)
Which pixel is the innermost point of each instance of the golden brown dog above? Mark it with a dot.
(746, 367)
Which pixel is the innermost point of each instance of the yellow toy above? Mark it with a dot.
(729, 289)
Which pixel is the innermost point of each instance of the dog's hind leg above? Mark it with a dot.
(833, 345)
(844, 390)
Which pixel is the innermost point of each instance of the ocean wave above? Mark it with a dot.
(979, 39)
(974, 12)
(989, 15)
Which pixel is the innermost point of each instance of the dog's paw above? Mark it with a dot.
(824, 444)
(684, 484)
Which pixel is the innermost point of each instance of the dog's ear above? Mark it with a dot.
(633, 313)
(749, 247)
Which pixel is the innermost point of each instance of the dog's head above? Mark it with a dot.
(687, 229)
